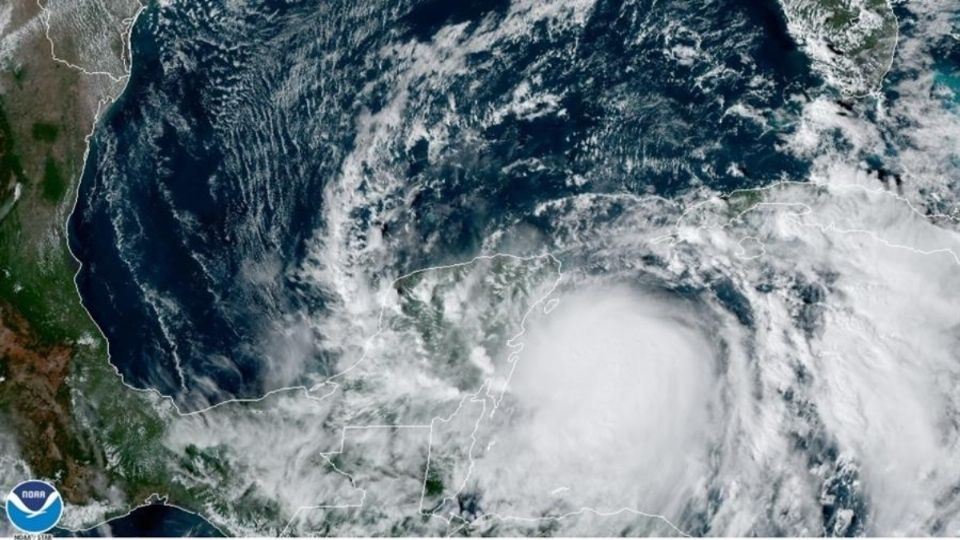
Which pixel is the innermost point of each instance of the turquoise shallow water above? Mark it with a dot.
(948, 79)
(207, 181)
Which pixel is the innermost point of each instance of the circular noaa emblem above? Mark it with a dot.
(34, 506)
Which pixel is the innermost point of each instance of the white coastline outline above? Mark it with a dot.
(672, 238)
(45, 19)
(874, 89)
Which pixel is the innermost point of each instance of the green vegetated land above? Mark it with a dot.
(862, 33)
(107, 435)
(73, 419)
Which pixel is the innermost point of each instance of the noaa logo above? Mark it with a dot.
(34, 506)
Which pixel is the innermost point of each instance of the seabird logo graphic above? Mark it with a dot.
(34, 506)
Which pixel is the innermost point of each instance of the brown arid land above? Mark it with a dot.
(61, 63)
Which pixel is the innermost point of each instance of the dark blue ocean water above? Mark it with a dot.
(155, 520)
(207, 182)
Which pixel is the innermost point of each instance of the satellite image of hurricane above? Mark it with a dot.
(577, 268)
